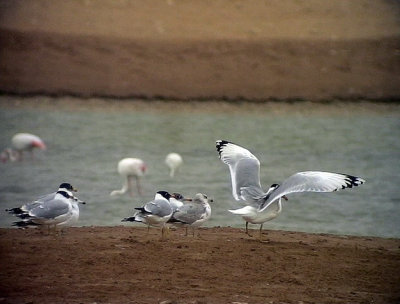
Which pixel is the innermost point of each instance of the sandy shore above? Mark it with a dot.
(333, 108)
(252, 50)
(223, 265)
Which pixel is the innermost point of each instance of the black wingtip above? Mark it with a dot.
(129, 219)
(15, 210)
(352, 181)
(24, 224)
(219, 144)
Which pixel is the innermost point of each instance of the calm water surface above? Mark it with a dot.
(85, 146)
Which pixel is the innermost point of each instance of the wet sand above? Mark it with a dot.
(68, 103)
(222, 265)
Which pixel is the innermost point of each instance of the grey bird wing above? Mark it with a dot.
(312, 181)
(158, 207)
(189, 213)
(39, 201)
(46, 197)
(244, 168)
(50, 209)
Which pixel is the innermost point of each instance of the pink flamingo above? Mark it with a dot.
(20, 143)
(130, 168)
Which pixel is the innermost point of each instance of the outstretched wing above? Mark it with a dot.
(244, 168)
(312, 181)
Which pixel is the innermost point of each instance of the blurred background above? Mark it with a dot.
(295, 82)
(245, 49)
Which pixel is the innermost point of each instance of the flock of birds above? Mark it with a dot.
(60, 209)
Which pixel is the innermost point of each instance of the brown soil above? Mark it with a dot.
(307, 49)
(223, 265)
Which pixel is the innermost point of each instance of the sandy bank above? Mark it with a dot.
(202, 49)
(223, 265)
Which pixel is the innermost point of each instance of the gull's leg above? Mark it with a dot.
(261, 232)
(53, 230)
(247, 229)
(163, 233)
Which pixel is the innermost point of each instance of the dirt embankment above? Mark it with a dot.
(202, 49)
(223, 265)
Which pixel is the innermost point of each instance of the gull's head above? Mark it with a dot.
(164, 194)
(272, 188)
(202, 198)
(180, 197)
(66, 187)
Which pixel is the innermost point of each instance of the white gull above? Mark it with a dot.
(263, 206)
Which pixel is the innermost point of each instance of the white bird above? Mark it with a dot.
(263, 206)
(177, 200)
(173, 161)
(130, 168)
(22, 142)
(58, 209)
(154, 213)
(194, 213)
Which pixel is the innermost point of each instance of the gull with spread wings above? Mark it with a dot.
(263, 206)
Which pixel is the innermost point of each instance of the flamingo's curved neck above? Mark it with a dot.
(279, 206)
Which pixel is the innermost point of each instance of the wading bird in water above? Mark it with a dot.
(263, 206)
(173, 161)
(20, 143)
(130, 169)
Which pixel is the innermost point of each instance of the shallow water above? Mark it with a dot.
(85, 146)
